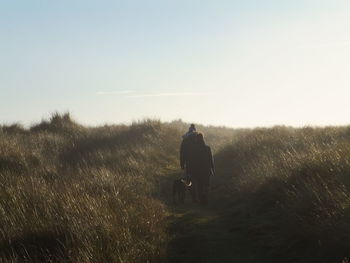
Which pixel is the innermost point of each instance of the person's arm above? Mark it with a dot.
(211, 160)
(182, 157)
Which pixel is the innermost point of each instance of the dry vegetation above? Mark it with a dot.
(291, 192)
(70, 193)
(74, 194)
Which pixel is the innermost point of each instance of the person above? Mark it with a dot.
(197, 161)
(202, 164)
(186, 155)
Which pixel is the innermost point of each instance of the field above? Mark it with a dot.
(70, 193)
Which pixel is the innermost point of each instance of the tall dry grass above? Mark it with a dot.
(74, 194)
(70, 193)
(291, 191)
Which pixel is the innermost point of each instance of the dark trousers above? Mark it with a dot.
(200, 188)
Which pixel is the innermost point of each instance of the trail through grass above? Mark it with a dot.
(70, 193)
(204, 234)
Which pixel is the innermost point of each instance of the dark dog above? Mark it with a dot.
(179, 189)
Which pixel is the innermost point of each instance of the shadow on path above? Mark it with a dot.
(202, 235)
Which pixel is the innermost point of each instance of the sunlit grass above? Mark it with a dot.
(70, 193)
(293, 191)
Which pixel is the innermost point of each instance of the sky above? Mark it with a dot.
(240, 63)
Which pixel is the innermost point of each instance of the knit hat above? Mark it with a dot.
(192, 128)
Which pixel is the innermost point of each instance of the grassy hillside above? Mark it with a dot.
(290, 192)
(79, 194)
(70, 193)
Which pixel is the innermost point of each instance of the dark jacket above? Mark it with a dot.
(187, 151)
(202, 161)
(196, 158)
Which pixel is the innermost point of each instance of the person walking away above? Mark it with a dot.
(202, 167)
(187, 151)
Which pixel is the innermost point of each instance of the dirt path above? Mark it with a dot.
(203, 235)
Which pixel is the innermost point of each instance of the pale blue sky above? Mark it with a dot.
(236, 63)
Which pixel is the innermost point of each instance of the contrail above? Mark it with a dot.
(171, 94)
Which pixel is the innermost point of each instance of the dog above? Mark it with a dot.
(179, 189)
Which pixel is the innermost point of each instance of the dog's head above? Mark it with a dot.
(186, 182)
